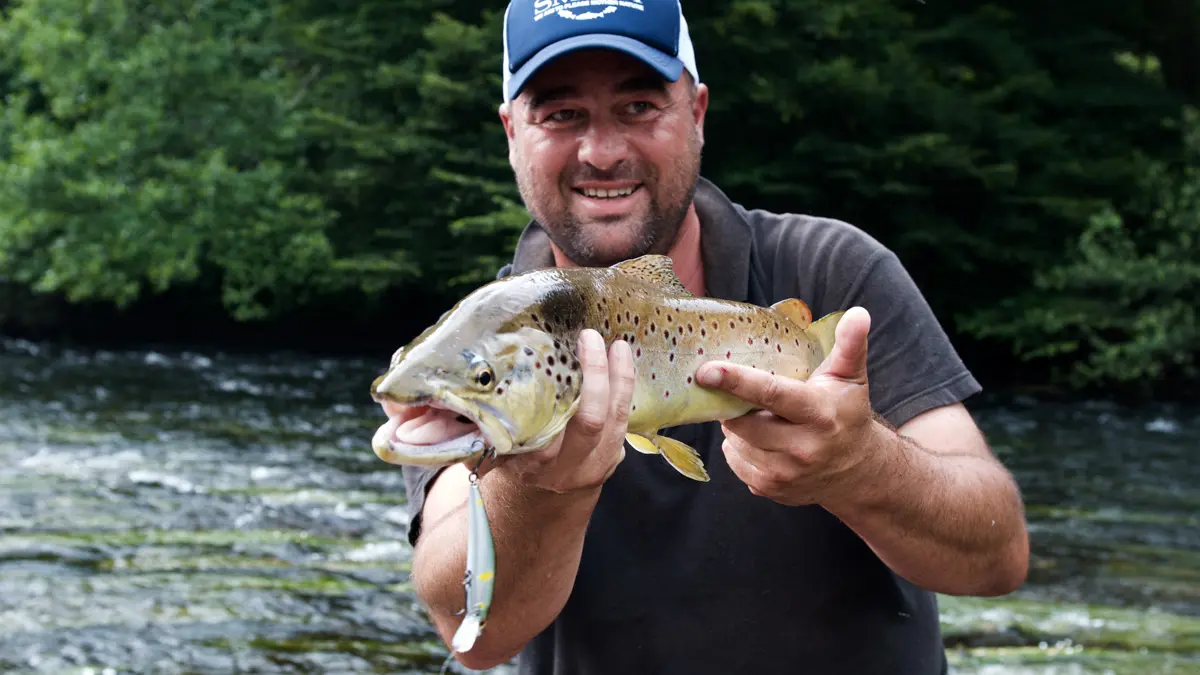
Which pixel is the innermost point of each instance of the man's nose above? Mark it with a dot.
(603, 146)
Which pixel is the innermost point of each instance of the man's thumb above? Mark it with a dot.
(848, 359)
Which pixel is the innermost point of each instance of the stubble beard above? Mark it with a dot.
(653, 232)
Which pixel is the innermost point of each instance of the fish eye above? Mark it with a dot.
(484, 377)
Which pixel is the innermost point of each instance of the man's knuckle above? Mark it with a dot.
(589, 423)
(771, 392)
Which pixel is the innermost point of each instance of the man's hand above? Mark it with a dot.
(588, 451)
(811, 440)
(929, 499)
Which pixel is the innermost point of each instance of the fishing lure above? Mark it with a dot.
(481, 567)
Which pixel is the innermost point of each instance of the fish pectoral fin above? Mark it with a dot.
(823, 331)
(656, 270)
(795, 310)
(641, 444)
(682, 457)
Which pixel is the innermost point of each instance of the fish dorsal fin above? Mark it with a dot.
(656, 270)
(796, 310)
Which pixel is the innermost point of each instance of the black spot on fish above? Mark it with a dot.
(550, 360)
(566, 307)
(528, 351)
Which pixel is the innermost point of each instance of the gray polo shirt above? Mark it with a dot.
(679, 577)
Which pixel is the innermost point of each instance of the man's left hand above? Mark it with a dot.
(812, 440)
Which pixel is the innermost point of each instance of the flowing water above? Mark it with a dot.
(168, 512)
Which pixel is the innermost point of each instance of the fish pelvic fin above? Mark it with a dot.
(656, 270)
(795, 310)
(823, 330)
(641, 444)
(681, 456)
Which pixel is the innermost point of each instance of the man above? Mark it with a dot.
(832, 516)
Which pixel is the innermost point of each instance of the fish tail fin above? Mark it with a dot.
(823, 330)
(682, 457)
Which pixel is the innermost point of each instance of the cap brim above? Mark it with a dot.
(666, 65)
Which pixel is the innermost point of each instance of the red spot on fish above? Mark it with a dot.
(639, 352)
(689, 380)
(715, 325)
(778, 348)
(537, 364)
(674, 341)
(690, 329)
(749, 341)
(731, 324)
(667, 394)
(652, 376)
(548, 373)
(666, 333)
(728, 354)
(703, 333)
(637, 320)
(499, 390)
(700, 350)
(669, 318)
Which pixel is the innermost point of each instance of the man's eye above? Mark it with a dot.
(561, 116)
(639, 107)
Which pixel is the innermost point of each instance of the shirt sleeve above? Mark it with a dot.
(912, 366)
(417, 480)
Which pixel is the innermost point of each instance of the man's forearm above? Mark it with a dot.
(951, 523)
(538, 538)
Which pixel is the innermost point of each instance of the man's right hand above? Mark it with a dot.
(591, 446)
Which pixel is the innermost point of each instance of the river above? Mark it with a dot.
(171, 512)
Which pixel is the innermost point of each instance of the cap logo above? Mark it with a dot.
(563, 8)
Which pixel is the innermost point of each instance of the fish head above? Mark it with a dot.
(471, 384)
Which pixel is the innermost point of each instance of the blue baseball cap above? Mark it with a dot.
(538, 31)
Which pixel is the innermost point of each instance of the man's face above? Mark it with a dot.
(606, 154)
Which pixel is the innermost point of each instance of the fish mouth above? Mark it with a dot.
(431, 432)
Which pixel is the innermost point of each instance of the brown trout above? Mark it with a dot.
(499, 369)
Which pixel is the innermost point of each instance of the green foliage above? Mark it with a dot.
(1123, 308)
(150, 140)
(1022, 159)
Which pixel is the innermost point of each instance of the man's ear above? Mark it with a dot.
(506, 118)
(700, 110)
(505, 112)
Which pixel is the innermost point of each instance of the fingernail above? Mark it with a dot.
(709, 377)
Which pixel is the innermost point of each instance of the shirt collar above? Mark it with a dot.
(726, 245)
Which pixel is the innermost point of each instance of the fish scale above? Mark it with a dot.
(504, 357)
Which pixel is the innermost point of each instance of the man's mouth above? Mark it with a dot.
(608, 193)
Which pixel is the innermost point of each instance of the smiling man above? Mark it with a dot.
(832, 516)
